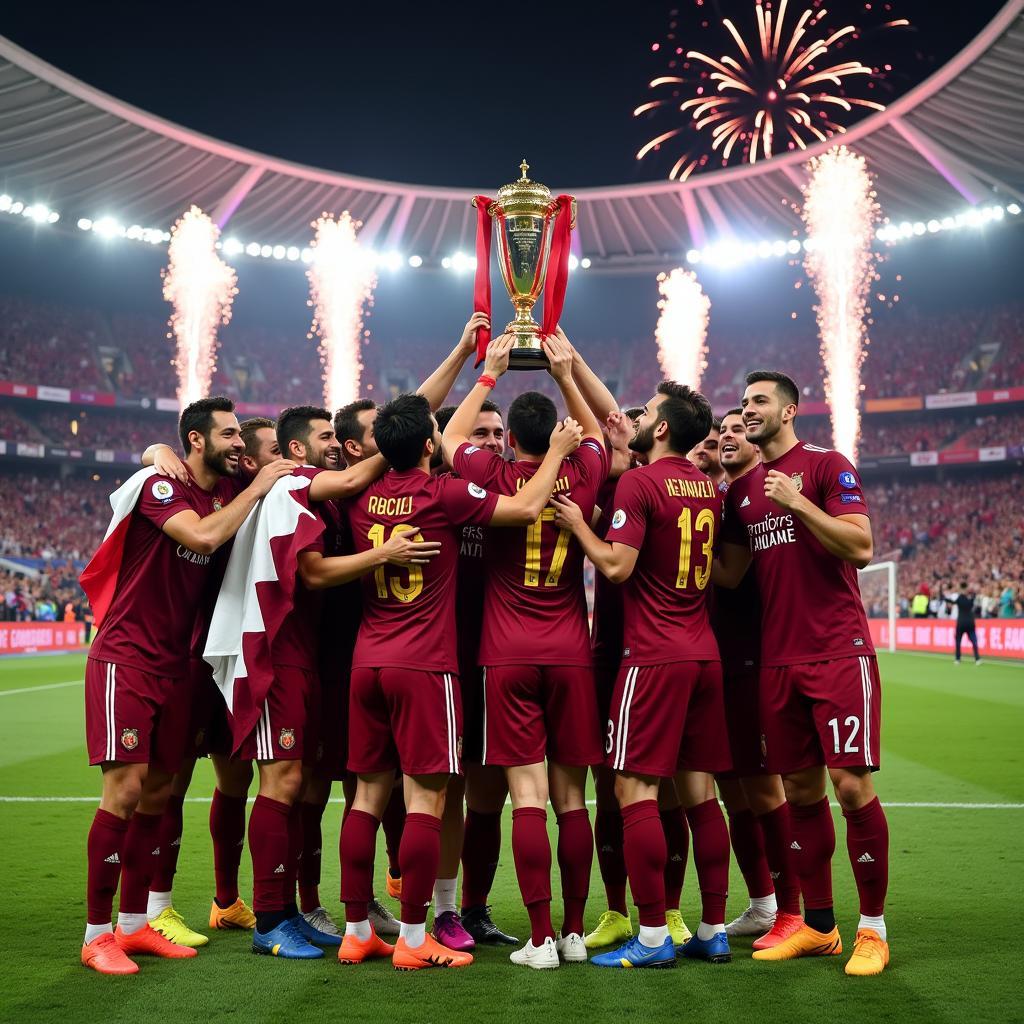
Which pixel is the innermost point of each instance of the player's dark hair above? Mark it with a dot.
(716, 425)
(346, 420)
(296, 424)
(731, 412)
(785, 384)
(199, 416)
(250, 428)
(446, 412)
(687, 413)
(635, 413)
(403, 426)
(531, 419)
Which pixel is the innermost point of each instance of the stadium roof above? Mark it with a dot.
(956, 139)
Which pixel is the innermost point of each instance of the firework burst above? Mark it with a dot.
(341, 282)
(782, 91)
(682, 327)
(840, 213)
(201, 287)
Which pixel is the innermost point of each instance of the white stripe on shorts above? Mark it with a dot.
(622, 733)
(449, 713)
(109, 708)
(483, 749)
(865, 678)
(264, 745)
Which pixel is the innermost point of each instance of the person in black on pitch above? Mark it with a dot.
(964, 604)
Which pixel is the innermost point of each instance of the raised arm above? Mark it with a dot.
(460, 426)
(166, 461)
(595, 392)
(345, 483)
(846, 537)
(614, 561)
(620, 433)
(526, 506)
(436, 387)
(560, 363)
(204, 534)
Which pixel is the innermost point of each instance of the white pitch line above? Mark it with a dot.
(45, 686)
(927, 805)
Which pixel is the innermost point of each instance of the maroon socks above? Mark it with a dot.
(677, 844)
(711, 859)
(645, 853)
(418, 857)
(867, 842)
(268, 845)
(575, 859)
(138, 860)
(171, 824)
(481, 847)
(312, 855)
(610, 859)
(748, 846)
(105, 851)
(357, 847)
(777, 829)
(532, 854)
(227, 830)
(393, 821)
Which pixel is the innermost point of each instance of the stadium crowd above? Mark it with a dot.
(911, 352)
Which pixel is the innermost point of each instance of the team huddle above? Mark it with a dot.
(383, 598)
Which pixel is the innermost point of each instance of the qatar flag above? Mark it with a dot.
(256, 596)
(99, 577)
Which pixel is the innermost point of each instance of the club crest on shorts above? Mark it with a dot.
(287, 739)
(129, 738)
(798, 481)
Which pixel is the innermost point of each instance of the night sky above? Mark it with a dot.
(432, 93)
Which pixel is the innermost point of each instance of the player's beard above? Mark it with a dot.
(770, 426)
(643, 440)
(218, 461)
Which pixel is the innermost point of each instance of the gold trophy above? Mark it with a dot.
(527, 219)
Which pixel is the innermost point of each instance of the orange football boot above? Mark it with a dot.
(870, 954)
(786, 925)
(805, 941)
(103, 954)
(148, 942)
(354, 950)
(237, 916)
(430, 954)
(394, 886)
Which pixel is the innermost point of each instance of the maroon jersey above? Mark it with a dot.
(535, 608)
(297, 640)
(736, 620)
(469, 598)
(409, 614)
(811, 606)
(606, 627)
(342, 606)
(670, 512)
(163, 586)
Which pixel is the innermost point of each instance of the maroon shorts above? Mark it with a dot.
(331, 758)
(209, 730)
(405, 719)
(668, 717)
(290, 710)
(135, 717)
(743, 722)
(537, 711)
(826, 712)
(471, 683)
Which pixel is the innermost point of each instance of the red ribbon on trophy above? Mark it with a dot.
(482, 284)
(558, 267)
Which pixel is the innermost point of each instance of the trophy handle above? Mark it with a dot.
(553, 208)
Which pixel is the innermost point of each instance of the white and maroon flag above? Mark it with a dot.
(256, 595)
(99, 577)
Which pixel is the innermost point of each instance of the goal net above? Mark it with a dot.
(879, 594)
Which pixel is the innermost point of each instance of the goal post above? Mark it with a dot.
(878, 591)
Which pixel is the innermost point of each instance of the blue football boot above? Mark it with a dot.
(285, 941)
(635, 954)
(714, 950)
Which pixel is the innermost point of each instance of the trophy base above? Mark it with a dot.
(527, 353)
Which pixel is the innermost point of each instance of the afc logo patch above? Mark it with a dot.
(847, 479)
(163, 490)
(287, 739)
(129, 738)
(798, 481)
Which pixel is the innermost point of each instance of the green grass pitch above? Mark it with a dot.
(950, 736)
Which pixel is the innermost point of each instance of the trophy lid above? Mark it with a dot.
(524, 195)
